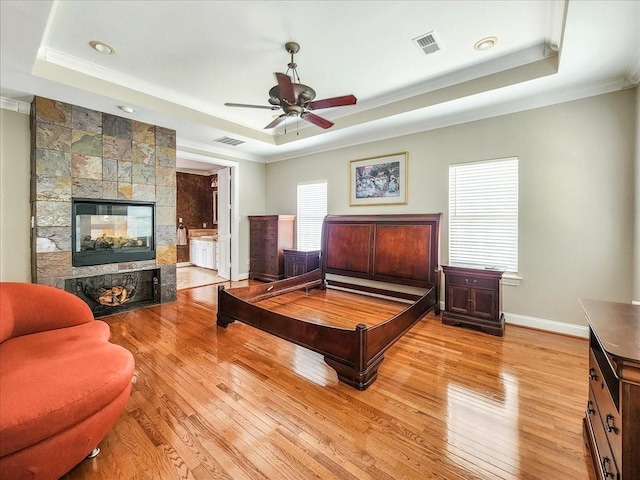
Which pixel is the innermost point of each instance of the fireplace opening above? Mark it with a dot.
(112, 231)
(118, 292)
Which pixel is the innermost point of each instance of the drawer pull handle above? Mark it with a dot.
(470, 283)
(590, 411)
(607, 473)
(609, 422)
(592, 374)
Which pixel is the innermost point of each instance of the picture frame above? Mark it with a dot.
(380, 180)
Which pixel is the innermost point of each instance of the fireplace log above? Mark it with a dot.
(114, 296)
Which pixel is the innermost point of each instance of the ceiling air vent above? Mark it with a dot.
(427, 43)
(229, 141)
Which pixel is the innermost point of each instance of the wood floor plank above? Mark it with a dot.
(449, 403)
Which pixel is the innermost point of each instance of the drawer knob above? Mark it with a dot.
(605, 471)
(590, 411)
(609, 423)
(470, 283)
(592, 374)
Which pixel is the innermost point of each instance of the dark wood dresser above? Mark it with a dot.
(297, 262)
(472, 297)
(612, 418)
(269, 236)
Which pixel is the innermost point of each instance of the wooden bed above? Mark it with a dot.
(391, 255)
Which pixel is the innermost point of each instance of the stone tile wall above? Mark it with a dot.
(76, 152)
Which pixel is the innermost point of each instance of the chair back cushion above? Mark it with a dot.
(31, 308)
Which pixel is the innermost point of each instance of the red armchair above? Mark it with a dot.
(62, 384)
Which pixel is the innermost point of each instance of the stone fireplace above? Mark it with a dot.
(78, 153)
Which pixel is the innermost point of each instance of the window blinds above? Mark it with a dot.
(312, 208)
(483, 213)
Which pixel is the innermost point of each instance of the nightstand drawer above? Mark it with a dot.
(472, 281)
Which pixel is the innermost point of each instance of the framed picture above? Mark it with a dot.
(379, 180)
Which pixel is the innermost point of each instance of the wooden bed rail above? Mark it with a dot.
(377, 249)
(355, 354)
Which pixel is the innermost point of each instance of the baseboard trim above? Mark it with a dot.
(183, 264)
(548, 325)
(635, 302)
(542, 324)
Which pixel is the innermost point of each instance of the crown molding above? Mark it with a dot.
(15, 105)
(567, 94)
(473, 72)
(75, 64)
(213, 152)
(633, 74)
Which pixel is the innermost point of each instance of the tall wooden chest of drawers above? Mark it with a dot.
(269, 235)
(612, 418)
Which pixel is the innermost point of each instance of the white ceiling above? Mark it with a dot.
(178, 62)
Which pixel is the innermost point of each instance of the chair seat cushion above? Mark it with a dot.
(50, 381)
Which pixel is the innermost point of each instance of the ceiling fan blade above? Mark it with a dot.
(285, 87)
(276, 121)
(319, 121)
(333, 102)
(244, 105)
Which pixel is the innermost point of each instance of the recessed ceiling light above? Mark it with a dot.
(126, 108)
(486, 43)
(102, 47)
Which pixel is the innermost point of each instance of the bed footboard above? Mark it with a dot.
(355, 355)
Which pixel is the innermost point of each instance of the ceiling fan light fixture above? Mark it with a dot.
(296, 99)
(486, 43)
(102, 47)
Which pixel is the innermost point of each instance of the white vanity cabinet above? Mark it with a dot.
(202, 253)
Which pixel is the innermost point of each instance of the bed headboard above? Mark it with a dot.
(401, 249)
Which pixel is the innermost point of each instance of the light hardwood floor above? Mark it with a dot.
(236, 403)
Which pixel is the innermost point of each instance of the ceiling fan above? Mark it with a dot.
(295, 98)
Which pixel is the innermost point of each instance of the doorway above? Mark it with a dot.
(204, 256)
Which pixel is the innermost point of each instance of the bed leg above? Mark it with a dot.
(223, 321)
(359, 379)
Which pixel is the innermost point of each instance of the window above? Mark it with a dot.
(483, 213)
(312, 208)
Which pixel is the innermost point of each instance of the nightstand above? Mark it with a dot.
(472, 297)
(297, 262)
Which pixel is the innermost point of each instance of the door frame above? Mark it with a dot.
(235, 202)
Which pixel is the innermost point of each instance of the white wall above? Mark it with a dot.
(576, 194)
(252, 202)
(15, 210)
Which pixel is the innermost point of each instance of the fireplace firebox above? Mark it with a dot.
(112, 231)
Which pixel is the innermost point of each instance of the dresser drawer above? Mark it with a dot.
(471, 281)
(261, 244)
(609, 416)
(264, 224)
(264, 235)
(607, 461)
